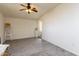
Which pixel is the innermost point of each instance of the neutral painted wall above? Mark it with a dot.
(21, 28)
(1, 28)
(61, 27)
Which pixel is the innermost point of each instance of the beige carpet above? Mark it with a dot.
(35, 47)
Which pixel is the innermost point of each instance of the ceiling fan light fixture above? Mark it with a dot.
(28, 8)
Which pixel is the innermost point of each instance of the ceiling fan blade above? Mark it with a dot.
(34, 9)
(22, 9)
(23, 5)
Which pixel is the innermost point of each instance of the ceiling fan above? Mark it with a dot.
(28, 8)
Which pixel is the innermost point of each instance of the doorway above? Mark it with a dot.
(40, 28)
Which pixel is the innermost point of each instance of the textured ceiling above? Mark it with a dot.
(12, 10)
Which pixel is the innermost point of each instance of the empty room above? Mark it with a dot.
(39, 29)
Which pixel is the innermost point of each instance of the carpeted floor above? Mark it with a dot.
(35, 47)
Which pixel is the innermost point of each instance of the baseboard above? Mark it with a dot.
(25, 38)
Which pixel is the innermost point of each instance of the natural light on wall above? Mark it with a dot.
(40, 25)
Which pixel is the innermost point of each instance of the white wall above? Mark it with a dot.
(61, 27)
(22, 28)
(1, 28)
